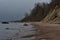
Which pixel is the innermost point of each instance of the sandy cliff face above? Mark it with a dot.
(53, 16)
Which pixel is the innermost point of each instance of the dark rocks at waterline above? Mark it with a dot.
(7, 28)
(5, 22)
(25, 24)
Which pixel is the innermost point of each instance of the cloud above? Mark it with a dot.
(43, 1)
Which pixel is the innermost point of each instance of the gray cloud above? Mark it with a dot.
(14, 9)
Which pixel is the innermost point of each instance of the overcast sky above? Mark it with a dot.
(15, 9)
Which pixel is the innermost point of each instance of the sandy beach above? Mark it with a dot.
(46, 31)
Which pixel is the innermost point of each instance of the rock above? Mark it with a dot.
(25, 24)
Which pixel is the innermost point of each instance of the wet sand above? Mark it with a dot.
(46, 31)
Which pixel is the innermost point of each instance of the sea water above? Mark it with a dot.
(14, 31)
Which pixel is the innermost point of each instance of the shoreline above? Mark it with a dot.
(46, 31)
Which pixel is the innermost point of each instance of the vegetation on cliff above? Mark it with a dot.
(40, 11)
